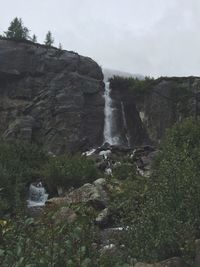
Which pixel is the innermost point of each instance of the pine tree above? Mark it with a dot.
(16, 30)
(60, 46)
(34, 38)
(49, 39)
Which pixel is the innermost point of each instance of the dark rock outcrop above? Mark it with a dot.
(148, 113)
(168, 100)
(128, 123)
(50, 96)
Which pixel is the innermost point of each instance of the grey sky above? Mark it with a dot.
(151, 37)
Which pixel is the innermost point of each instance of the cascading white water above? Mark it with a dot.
(125, 124)
(37, 196)
(109, 118)
(107, 114)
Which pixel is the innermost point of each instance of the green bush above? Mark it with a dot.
(124, 171)
(27, 242)
(168, 221)
(20, 164)
(69, 171)
(136, 86)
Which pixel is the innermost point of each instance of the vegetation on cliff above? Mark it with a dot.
(137, 86)
(18, 32)
(180, 92)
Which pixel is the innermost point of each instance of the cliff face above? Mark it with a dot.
(169, 100)
(148, 114)
(51, 97)
(128, 123)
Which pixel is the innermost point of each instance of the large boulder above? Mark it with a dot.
(51, 97)
(64, 214)
(94, 195)
(173, 262)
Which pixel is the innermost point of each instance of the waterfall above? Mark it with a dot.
(109, 137)
(37, 195)
(125, 124)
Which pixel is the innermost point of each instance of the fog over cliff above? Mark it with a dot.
(156, 37)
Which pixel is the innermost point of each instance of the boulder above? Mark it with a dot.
(173, 262)
(92, 194)
(64, 214)
(55, 201)
(101, 182)
(140, 264)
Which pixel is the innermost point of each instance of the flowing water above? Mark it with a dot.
(125, 124)
(37, 196)
(109, 113)
(115, 125)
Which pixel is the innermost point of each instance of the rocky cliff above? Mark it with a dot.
(154, 107)
(50, 96)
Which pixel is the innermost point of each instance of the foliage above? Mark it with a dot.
(20, 164)
(136, 86)
(60, 46)
(27, 242)
(16, 30)
(127, 202)
(124, 170)
(69, 171)
(167, 219)
(49, 39)
(34, 38)
(180, 96)
(160, 214)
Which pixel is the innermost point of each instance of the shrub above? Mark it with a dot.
(124, 171)
(26, 242)
(20, 164)
(169, 218)
(69, 171)
(136, 86)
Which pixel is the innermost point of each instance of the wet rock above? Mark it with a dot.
(103, 219)
(105, 146)
(64, 214)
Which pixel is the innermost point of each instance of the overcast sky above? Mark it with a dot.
(150, 37)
